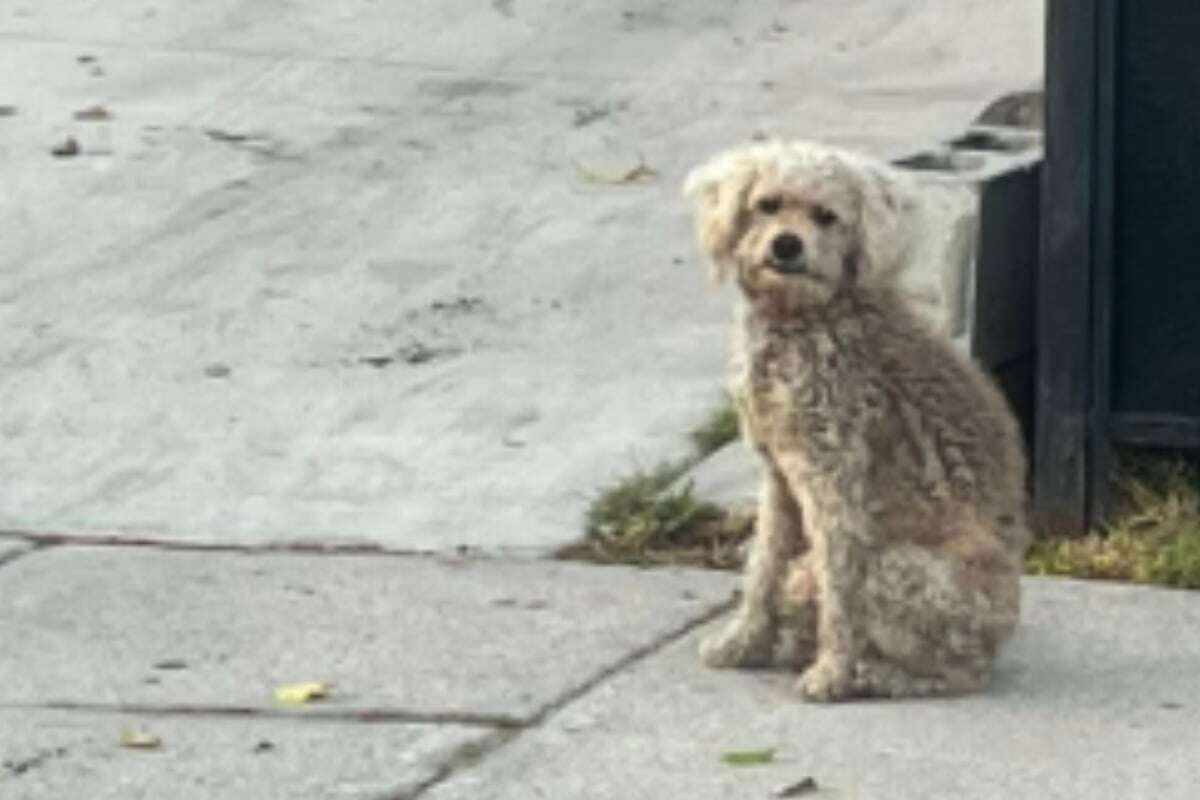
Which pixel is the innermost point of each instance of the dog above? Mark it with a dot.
(892, 516)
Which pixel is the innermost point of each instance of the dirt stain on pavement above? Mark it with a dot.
(460, 88)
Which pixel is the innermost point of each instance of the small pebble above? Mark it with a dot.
(66, 149)
(93, 114)
(800, 788)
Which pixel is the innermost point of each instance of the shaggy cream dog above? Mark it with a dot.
(891, 524)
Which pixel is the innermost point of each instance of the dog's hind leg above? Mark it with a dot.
(749, 639)
(934, 624)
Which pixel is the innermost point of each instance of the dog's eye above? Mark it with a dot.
(770, 205)
(823, 216)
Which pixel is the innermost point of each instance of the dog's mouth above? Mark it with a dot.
(796, 266)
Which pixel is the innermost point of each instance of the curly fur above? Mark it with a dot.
(891, 524)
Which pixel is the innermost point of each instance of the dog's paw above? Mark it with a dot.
(738, 645)
(827, 680)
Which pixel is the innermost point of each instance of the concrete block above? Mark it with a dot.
(137, 627)
(978, 252)
(945, 224)
(46, 754)
(978, 247)
(1095, 697)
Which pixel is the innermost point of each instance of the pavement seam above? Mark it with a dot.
(52, 538)
(472, 754)
(631, 658)
(461, 758)
(381, 716)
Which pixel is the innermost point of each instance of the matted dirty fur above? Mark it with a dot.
(892, 523)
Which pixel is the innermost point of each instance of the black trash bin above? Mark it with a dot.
(1119, 285)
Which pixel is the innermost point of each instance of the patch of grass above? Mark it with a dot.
(718, 429)
(644, 519)
(648, 518)
(1154, 535)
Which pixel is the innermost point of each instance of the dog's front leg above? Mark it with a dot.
(839, 549)
(748, 640)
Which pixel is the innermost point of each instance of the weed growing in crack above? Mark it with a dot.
(649, 518)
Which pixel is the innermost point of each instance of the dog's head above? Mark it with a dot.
(800, 221)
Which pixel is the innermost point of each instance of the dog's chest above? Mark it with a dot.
(795, 391)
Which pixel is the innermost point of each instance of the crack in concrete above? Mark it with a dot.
(473, 753)
(631, 658)
(8, 558)
(462, 758)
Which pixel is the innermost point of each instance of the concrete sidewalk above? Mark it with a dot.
(474, 678)
(371, 273)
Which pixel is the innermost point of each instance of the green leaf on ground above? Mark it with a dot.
(748, 758)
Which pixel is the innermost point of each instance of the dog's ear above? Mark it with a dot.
(718, 191)
(885, 232)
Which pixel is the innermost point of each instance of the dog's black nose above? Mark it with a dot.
(787, 247)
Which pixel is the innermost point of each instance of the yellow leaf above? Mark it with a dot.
(301, 693)
(139, 739)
